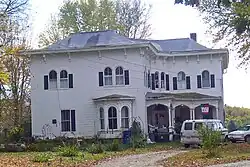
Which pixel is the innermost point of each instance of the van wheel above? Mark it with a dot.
(247, 139)
(233, 141)
(226, 139)
(186, 145)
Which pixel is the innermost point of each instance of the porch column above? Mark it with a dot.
(192, 117)
(191, 113)
(217, 113)
(170, 118)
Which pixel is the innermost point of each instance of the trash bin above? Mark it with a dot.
(126, 136)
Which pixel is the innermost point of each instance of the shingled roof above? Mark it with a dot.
(111, 38)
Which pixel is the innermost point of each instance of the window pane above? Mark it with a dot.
(124, 112)
(119, 71)
(181, 76)
(188, 126)
(108, 71)
(101, 113)
(110, 124)
(52, 75)
(205, 79)
(206, 83)
(53, 83)
(102, 124)
(108, 80)
(197, 125)
(65, 115)
(125, 123)
(64, 83)
(63, 74)
(182, 84)
(115, 123)
(119, 80)
(66, 126)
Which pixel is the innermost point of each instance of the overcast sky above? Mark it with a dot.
(168, 21)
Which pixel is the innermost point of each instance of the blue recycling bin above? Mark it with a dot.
(126, 136)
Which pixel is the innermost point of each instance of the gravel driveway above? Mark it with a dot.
(141, 160)
(237, 164)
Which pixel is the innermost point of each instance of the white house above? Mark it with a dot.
(99, 82)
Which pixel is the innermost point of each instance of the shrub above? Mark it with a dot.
(16, 134)
(68, 151)
(114, 146)
(95, 148)
(41, 147)
(42, 157)
(210, 140)
(137, 139)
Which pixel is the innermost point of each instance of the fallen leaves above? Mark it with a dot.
(196, 158)
(25, 159)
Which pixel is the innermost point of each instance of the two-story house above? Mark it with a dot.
(99, 82)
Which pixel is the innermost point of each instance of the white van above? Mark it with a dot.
(189, 134)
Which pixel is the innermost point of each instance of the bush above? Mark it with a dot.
(42, 157)
(16, 134)
(137, 139)
(95, 148)
(114, 146)
(17, 147)
(210, 140)
(41, 147)
(68, 151)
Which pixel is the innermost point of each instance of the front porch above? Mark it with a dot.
(166, 112)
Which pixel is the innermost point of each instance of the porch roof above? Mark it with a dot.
(114, 97)
(180, 96)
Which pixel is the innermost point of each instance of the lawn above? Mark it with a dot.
(196, 158)
(84, 159)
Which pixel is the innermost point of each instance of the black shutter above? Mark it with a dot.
(73, 120)
(188, 84)
(149, 83)
(174, 83)
(153, 81)
(126, 72)
(70, 80)
(167, 82)
(46, 82)
(100, 78)
(198, 81)
(212, 81)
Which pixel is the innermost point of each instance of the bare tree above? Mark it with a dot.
(130, 18)
(133, 16)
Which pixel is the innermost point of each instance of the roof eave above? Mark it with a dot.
(113, 99)
(97, 48)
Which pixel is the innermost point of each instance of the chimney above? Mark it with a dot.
(193, 36)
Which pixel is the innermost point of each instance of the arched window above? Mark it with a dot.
(124, 117)
(64, 83)
(162, 80)
(205, 79)
(102, 125)
(108, 76)
(53, 79)
(119, 76)
(156, 79)
(112, 117)
(181, 80)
